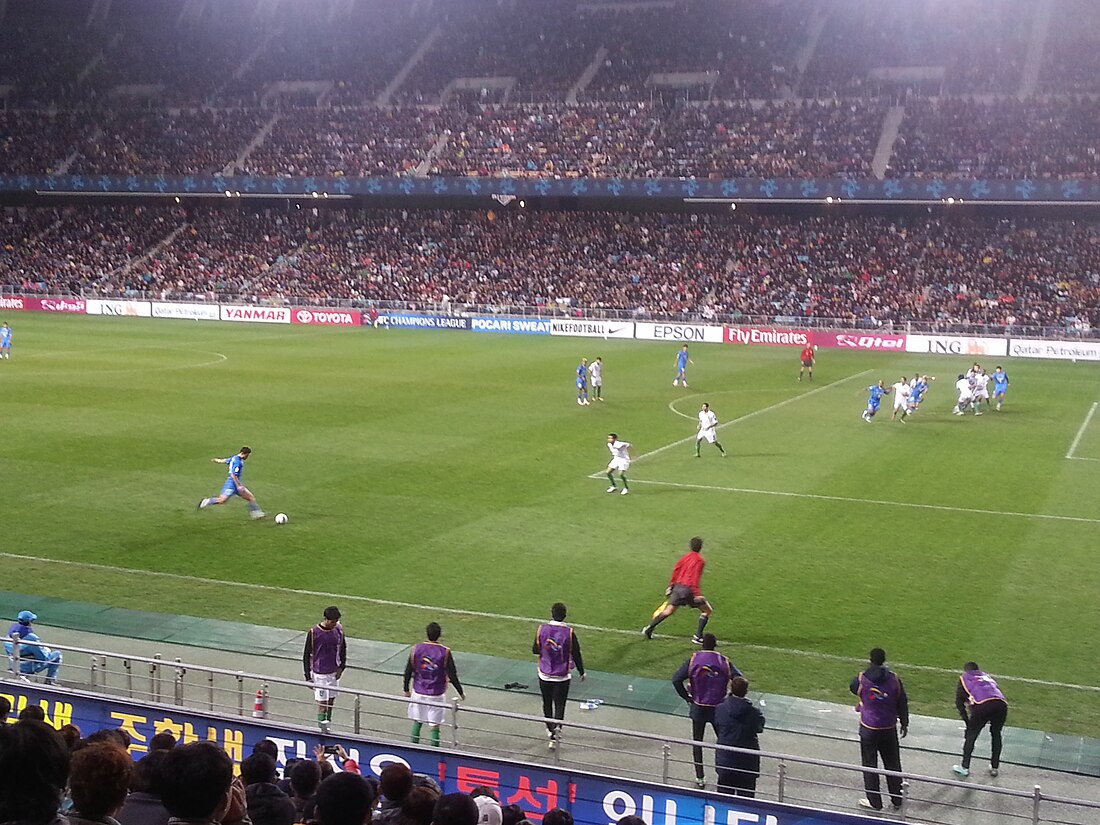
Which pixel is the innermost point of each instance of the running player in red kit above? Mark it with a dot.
(807, 362)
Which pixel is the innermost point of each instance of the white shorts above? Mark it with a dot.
(431, 711)
(707, 435)
(980, 394)
(326, 686)
(597, 382)
(965, 398)
(901, 402)
(620, 465)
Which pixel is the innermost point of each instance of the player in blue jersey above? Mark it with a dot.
(233, 485)
(5, 341)
(1000, 385)
(682, 361)
(874, 399)
(917, 391)
(582, 382)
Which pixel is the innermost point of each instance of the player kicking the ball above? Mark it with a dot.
(233, 486)
(620, 462)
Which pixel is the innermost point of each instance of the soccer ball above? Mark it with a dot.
(281, 518)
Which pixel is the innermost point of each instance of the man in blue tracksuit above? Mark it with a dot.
(34, 657)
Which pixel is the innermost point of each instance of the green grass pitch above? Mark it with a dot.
(454, 470)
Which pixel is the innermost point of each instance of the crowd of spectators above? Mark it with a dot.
(34, 142)
(1071, 61)
(1003, 138)
(856, 269)
(68, 779)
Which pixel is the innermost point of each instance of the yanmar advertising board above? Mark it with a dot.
(769, 336)
(591, 799)
(681, 333)
(860, 340)
(255, 315)
(132, 309)
(195, 312)
(327, 317)
(1055, 350)
(512, 326)
(957, 345)
(593, 329)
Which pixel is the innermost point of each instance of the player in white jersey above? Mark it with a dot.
(595, 369)
(966, 395)
(708, 430)
(900, 390)
(981, 388)
(620, 462)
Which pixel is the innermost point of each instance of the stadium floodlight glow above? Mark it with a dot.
(177, 198)
(829, 199)
(523, 204)
(950, 200)
(228, 194)
(733, 206)
(315, 194)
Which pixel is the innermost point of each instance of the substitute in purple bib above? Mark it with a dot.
(882, 706)
(323, 660)
(980, 703)
(707, 675)
(559, 651)
(429, 669)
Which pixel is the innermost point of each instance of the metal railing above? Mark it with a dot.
(553, 310)
(599, 749)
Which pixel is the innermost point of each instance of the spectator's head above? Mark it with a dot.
(482, 790)
(488, 809)
(457, 809)
(116, 737)
(36, 754)
(710, 641)
(434, 631)
(512, 815)
(632, 820)
(696, 545)
(557, 612)
(147, 772)
(739, 686)
(560, 816)
(268, 747)
(32, 713)
(26, 618)
(418, 806)
(5, 710)
(71, 734)
(396, 781)
(196, 780)
(331, 616)
(163, 741)
(344, 799)
(877, 656)
(258, 768)
(304, 778)
(99, 780)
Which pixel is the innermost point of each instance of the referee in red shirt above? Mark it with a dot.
(683, 591)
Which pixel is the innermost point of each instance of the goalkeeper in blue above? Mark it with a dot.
(233, 486)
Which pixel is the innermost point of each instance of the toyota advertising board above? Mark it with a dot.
(255, 315)
(593, 329)
(195, 312)
(1056, 350)
(132, 309)
(327, 317)
(957, 345)
(680, 333)
(768, 336)
(860, 340)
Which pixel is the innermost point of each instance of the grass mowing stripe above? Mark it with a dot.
(879, 502)
(1081, 431)
(810, 654)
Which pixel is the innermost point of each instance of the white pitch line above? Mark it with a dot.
(672, 404)
(875, 501)
(1081, 431)
(747, 416)
(481, 614)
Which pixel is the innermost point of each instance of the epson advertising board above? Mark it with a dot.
(680, 333)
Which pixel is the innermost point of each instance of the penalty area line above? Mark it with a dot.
(481, 614)
(1081, 431)
(875, 501)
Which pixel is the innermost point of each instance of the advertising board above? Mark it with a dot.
(957, 345)
(133, 309)
(680, 333)
(593, 329)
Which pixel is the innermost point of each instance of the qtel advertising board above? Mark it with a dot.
(768, 336)
(36, 304)
(680, 333)
(592, 800)
(255, 315)
(860, 340)
(327, 317)
(957, 345)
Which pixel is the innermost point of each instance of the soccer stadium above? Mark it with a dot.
(498, 412)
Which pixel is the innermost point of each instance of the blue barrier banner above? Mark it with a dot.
(515, 326)
(413, 321)
(593, 800)
(922, 190)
